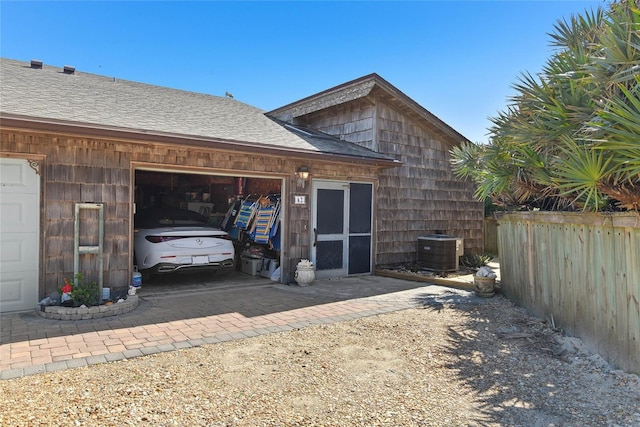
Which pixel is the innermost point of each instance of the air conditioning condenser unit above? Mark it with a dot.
(439, 252)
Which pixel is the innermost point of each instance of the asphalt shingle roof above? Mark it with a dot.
(49, 94)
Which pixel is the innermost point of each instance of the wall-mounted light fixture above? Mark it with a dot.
(303, 172)
(303, 175)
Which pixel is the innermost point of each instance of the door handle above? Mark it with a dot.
(315, 237)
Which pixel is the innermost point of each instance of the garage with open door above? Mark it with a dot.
(379, 159)
(177, 247)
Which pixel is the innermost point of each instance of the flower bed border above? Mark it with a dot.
(454, 282)
(57, 312)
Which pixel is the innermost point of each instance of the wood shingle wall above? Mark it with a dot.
(101, 170)
(423, 196)
(420, 197)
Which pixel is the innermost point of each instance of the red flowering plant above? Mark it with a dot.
(67, 287)
(65, 292)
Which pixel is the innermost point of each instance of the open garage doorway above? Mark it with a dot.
(172, 255)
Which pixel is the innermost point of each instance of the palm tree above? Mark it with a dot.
(570, 137)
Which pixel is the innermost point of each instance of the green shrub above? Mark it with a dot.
(83, 292)
(474, 261)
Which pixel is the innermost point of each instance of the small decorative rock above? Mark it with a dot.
(485, 272)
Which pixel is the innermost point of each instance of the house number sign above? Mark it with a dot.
(299, 199)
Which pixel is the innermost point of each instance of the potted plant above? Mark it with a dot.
(484, 281)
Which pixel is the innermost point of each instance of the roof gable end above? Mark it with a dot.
(358, 89)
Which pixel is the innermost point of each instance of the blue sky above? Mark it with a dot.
(458, 59)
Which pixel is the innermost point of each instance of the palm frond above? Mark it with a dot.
(570, 136)
(579, 173)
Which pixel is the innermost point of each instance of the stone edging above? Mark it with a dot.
(57, 312)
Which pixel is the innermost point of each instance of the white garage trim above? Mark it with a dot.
(19, 234)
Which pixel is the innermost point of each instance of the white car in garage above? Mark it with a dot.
(168, 240)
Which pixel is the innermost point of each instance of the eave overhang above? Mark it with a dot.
(142, 136)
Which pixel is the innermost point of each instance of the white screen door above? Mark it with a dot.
(342, 228)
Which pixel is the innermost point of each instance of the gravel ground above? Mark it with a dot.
(488, 364)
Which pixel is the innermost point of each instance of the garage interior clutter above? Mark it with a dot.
(247, 208)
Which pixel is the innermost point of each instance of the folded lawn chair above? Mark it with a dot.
(246, 214)
(262, 225)
(229, 218)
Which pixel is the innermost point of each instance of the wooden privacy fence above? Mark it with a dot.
(581, 270)
(490, 236)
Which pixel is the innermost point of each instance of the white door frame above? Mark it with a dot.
(19, 234)
(346, 236)
(343, 236)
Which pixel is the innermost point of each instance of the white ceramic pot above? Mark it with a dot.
(304, 274)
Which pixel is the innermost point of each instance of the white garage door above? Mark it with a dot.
(19, 235)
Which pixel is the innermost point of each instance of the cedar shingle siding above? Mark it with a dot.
(89, 134)
(420, 197)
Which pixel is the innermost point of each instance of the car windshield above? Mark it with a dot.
(170, 218)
